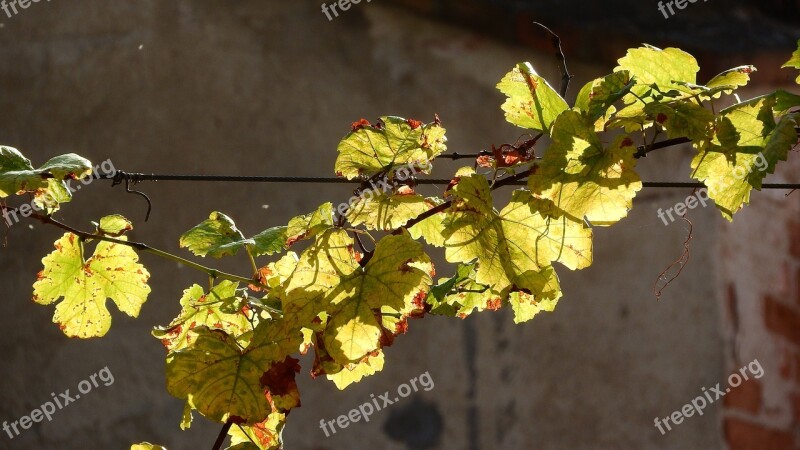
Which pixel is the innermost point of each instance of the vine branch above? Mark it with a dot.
(562, 60)
(223, 433)
(213, 273)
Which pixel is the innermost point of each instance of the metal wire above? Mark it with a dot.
(141, 177)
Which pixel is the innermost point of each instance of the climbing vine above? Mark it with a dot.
(344, 281)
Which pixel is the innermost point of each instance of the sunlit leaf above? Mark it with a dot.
(17, 175)
(532, 103)
(583, 177)
(201, 309)
(391, 143)
(794, 61)
(114, 225)
(112, 273)
(222, 380)
(261, 436)
(386, 210)
(388, 281)
(747, 146)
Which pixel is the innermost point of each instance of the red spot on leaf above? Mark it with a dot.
(661, 118)
(494, 304)
(363, 123)
(401, 327)
(405, 190)
(486, 161)
(280, 378)
(414, 124)
(627, 142)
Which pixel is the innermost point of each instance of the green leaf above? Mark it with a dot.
(114, 225)
(386, 211)
(67, 166)
(392, 143)
(17, 175)
(461, 295)
(270, 241)
(261, 436)
(201, 309)
(597, 96)
(784, 101)
(308, 226)
(216, 237)
(582, 177)
(532, 103)
(794, 61)
(683, 119)
(222, 380)
(747, 146)
(112, 272)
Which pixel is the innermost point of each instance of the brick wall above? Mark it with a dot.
(762, 320)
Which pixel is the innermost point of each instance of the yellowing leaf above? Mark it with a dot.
(114, 225)
(597, 96)
(386, 211)
(390, 144)
(112, 272)
(747, 146)
(582, 177)
(261, 436)
(660, 75)
(511, 245)
(794, 61)
(683, 119)
(388, 283)
(431, 228)
(532, 103)
(201, 309)
(147, 446)
(526, 306)
(222, 380)
(308, 226)
(730, 80)
(353, 373)
(652, 65)
(325, 263)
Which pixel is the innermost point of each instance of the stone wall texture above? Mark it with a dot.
(269, 88)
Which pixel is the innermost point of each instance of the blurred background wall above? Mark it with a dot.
(269, 88)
